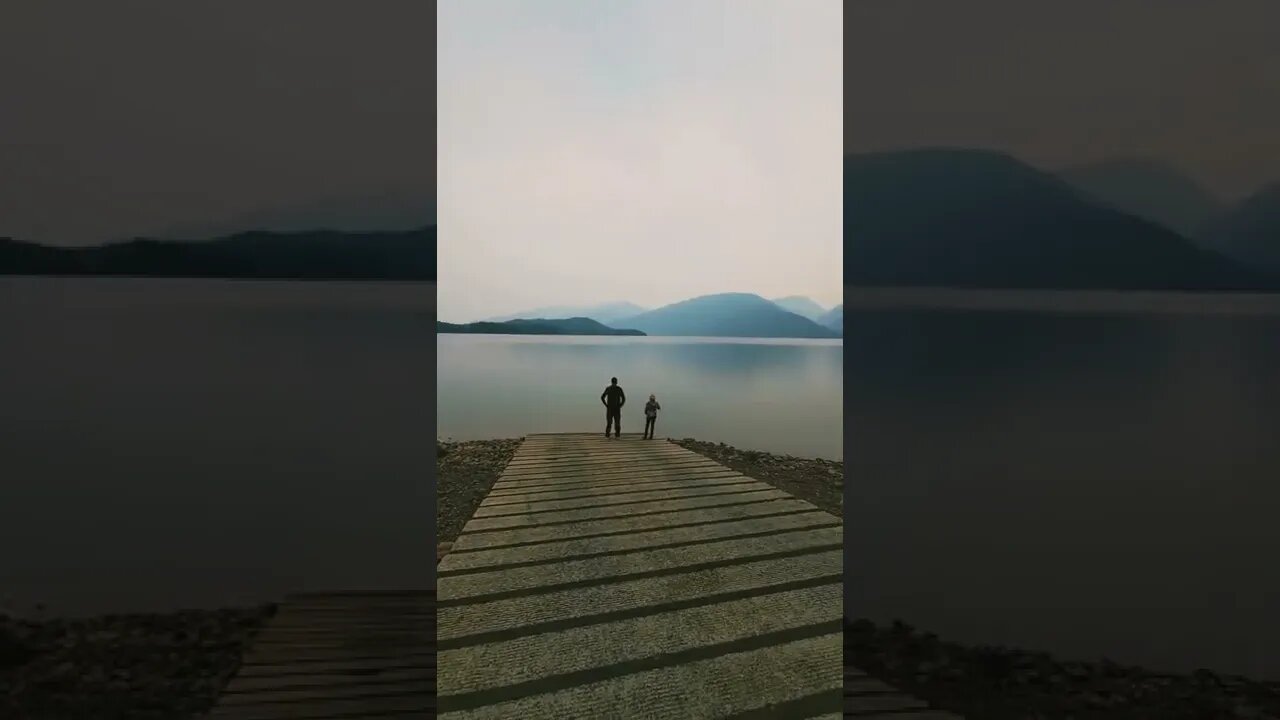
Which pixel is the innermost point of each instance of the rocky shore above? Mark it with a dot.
(465, 471)
(998, 683)
(818, 481)
(139, 667)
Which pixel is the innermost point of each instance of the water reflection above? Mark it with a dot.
(167, 444)
(763, 395)
(1088, 484)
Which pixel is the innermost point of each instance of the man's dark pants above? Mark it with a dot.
(613, 420)
(648, 427)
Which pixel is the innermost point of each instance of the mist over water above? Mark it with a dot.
(194, 443)
(780, 396)
(1089, 482)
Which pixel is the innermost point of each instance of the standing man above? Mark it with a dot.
(613, 399)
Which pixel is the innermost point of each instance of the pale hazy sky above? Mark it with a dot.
(642, 150)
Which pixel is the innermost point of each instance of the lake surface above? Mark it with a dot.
(780, 396)
(1086, 478)
(189, 443)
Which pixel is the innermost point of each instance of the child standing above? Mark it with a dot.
(651, 409)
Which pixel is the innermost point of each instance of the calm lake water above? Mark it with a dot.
(174, 443)
(1095, 477)
(781, 396)
(1092, 476)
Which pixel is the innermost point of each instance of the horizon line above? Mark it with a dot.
(520, 314)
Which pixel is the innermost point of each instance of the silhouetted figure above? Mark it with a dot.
(651, 409)
(613, 399)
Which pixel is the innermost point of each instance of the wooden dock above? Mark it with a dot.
(630, 578)
(621, 578)
(342, 655)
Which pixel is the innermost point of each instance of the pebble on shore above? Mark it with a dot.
(815, 480)
(465, 472)
(138, 666)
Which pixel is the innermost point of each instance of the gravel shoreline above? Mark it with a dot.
(135, 667)
(813, 480)
(465, 471)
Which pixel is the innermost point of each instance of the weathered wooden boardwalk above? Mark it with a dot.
(630, 578)
(600, 578)
(349, 655)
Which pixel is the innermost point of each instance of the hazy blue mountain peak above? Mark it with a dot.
(800, 305)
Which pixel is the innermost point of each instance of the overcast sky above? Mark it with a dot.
(1193, 83)
(128, 117)
(625, 142)
(642, 150)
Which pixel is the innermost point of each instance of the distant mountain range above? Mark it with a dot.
(727, 315)
(801, 305)
(1147, 189)
(721, 315)
(605, 313)
(833, 318)
(1249, 232)
(541, 326)
(979, 219)
(318, 255)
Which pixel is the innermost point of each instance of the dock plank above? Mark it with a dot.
(339, 655)
(630, 578)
